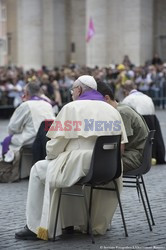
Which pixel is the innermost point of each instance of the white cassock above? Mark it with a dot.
(142, 103)
(68, 159)
(26, 120)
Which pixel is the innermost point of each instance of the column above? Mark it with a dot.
(29, 33)
(54, 32)
(12, 31)
(131, 29)
(76, 20)
(48, 33)
(96, 48)
(146, 30)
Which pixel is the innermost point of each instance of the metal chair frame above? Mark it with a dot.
(137, 179)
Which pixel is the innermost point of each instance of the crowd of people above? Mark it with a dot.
(71, 141)
(56, 83)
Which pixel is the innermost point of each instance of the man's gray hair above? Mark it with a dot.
(33, 88)
(83, 86)
(129, 85)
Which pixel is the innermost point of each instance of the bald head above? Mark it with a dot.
(128, 86)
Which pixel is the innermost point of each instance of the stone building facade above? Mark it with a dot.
(3, 33)
(53, 32)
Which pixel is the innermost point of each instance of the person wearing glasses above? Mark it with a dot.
(73, 134)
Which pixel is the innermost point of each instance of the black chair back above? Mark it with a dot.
(147, 153)
(147, 156)
(106, 161)
(39, 145)
(158, 148)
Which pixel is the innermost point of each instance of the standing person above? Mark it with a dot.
(73, 135)
(143, 104)
(136, 130)
(25, 122)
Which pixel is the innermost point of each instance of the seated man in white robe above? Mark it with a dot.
(143, 104)
(73, 135)
(25, 122)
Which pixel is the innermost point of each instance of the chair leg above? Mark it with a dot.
(147, 216)
(90, 206)
(57, 214)
(138, 193)
(147, 199)
(88, 215)
(20, 160)
(121, 210)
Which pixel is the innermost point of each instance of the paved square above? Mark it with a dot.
(13, 203)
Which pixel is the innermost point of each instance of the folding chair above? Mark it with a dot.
(137, 176)
(39, 144)
(105, 167)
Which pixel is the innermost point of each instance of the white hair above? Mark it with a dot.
(83, 86)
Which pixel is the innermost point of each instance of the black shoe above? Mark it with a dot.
(26, 234)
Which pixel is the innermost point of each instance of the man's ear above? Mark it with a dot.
(80, 90)
(125, 92)
(107, 98)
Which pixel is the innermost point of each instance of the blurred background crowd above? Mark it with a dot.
(56, 83)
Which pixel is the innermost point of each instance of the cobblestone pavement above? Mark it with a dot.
(12, 216)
